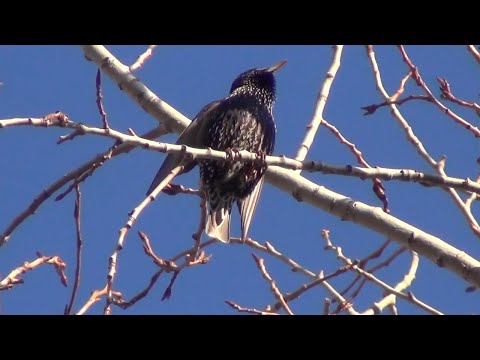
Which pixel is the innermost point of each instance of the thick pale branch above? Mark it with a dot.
(142, 95)
(374, 218)
(282, 161)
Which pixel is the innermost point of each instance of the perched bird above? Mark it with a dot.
(241, 121)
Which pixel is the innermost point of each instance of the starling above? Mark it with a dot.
(241, 121)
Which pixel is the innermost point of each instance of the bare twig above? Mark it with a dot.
(126, 304)
(247, 310)
(172, 119)
(168, 291)
(142, 58)
(103, 114)
(378, 188)
(87, 167)
(13, 278)
(473, 50)
(397, 291)
(371, 109)
(418, 78)
(320, 105)
(305, 287)
(132, 216)
(414, 139)
(447, 95)
(278, 294)
(95, 297)
(269, 249)
(76, 214)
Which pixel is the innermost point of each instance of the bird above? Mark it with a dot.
(243, 120)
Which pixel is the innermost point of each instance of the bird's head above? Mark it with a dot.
(257, 79)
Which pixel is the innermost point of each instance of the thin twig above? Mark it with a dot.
(248, 310)
(416, 141)
(378, 188)
(13, 278)
(101, 110)
(76, 214)
(126, 304)
(269, 249)
(447, 95)
(397, 291)
(371, 109)
(305, 287)
(142, 58)
(320, 105)
(76, 173)
(278, 294)
(132, 217)
(418, 78)
(95, 297)
(473, 50)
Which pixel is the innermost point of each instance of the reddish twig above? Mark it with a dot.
(46, 193)
(415, 141)
(76, 215)
(261, 266)
(142, 58)
(168, 290)
(378, 188)
(370, 109)
(101, 110)
(474, 52)
(446, 93)
(126, 304)
(132, 217)
(305, 287)
(418, 78)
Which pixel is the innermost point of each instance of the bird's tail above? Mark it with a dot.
(218, 217)
(247, 207)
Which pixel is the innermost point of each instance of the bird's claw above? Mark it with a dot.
(262, 158)
(231, 154)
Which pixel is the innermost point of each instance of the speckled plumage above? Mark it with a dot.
(241, 121)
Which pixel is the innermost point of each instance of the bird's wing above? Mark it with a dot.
(247, 207)
(194, 135)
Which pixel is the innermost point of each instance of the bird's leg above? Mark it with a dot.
(262, 158)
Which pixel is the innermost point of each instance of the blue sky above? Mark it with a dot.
(38, 80)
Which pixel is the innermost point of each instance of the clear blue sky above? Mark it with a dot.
(38, 80)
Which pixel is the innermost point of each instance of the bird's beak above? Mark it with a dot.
(277, 66)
